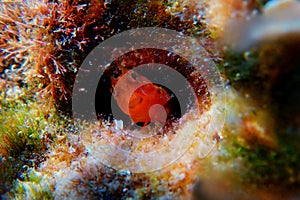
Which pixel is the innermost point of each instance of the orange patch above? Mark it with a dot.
(145, 95)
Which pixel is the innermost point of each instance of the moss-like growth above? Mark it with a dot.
(41, 42)
(262, 165)
(25, 133)
(267, 77)
(44, 43)
(34, 182)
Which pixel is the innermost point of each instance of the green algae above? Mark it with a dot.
(34, 186)
(262, 165)
(24, 137)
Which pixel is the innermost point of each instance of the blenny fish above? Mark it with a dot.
(136, 95)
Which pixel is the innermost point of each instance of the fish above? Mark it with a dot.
(141, 99)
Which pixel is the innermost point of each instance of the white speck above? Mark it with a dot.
(71, 150)
(119, 124)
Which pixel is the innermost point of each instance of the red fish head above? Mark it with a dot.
(141, 99)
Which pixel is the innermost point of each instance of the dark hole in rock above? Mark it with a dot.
(130, 60)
